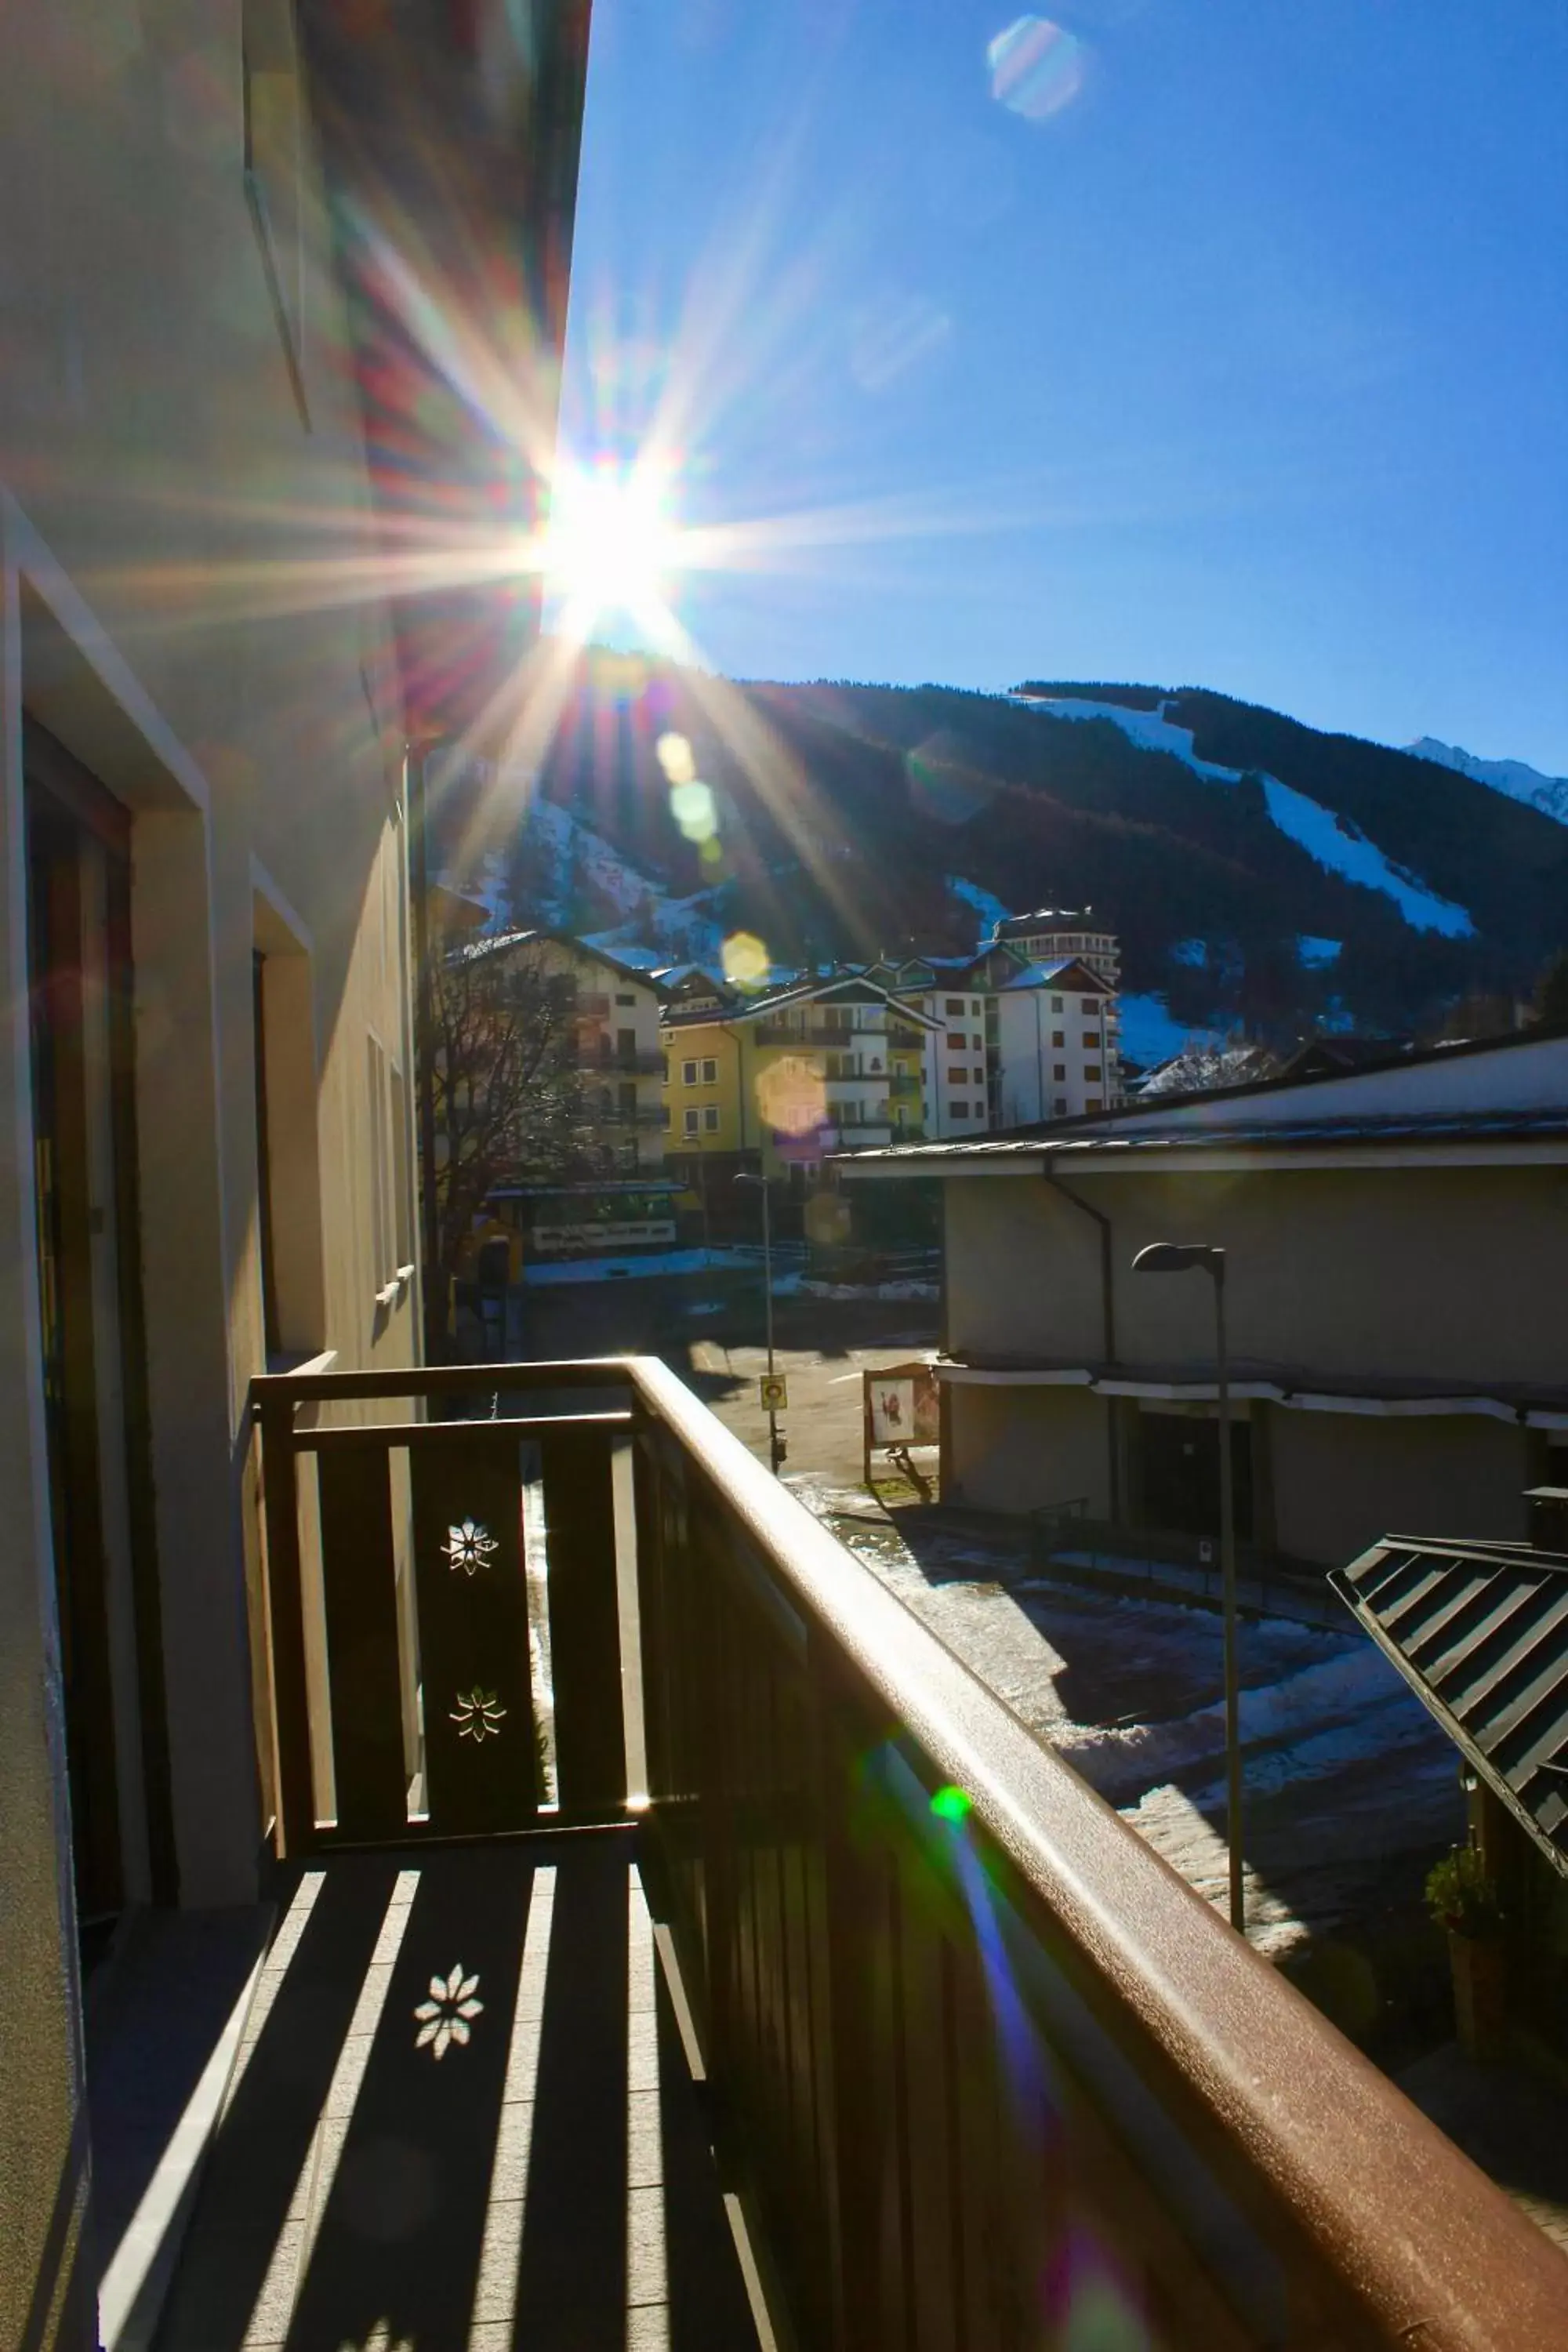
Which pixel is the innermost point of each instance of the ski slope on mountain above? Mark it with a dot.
(1331, 841)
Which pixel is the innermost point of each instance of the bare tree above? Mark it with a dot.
(503, 1074)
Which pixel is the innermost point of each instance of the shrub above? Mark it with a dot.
(1460, 1895)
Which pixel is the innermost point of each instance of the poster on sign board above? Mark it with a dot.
(903, 1406)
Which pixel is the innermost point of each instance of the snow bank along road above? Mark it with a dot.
(1345, 1770)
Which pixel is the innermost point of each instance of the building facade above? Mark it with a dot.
(959, 1053)
(774, 1082)
(1393, 1240)
(205, 1158)
(1057, 1043)
(611, 1012)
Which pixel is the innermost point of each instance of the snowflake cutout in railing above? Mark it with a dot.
(469, 1546)
(445, 2016)
(479, 1717)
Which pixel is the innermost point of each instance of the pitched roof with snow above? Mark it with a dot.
(1069, 974)
(506, 940)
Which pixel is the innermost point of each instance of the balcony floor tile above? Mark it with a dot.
(546, 2181)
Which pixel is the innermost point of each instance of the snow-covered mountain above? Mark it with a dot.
(1261, 874)
(1549, 793)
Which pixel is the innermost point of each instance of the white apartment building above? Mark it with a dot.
(1057, 1041)
(1051, 933)
(959, 1051)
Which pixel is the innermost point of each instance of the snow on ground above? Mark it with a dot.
(658, 929)
(1333, 841)
(993, 914)
(1514, 777)
(864, 1289)
(1314, 954)
(1345, 1771)
(1350, 1690)
(1148, 1033)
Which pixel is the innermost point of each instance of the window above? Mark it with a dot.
(1056, 1004)
(1059, 1105)
(664, 1062)
(954, 1004)
(690, 1121)
(1059, 1072)
(1094, 1103)
(689, 1073)
(958, 1077)
(1058, 1036)
(1092, 1071)
(975, 1004)
(627, 999)
(961, 1110)
(710, 1074)
(711, 1118)
(664, 1118)
(1089, 1003)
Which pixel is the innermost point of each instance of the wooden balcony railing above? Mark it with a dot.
(989, 2073)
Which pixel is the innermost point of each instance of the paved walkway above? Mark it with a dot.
(461, 2121)
(1512, 2123)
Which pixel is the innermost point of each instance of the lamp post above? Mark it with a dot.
(775, 1442)
(1179, 1258)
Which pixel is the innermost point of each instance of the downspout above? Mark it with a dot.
(1107, 1323)
(725, 1030)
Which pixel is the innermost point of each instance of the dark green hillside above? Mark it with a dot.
(842, 808)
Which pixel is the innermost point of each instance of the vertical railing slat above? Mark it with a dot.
(360, 1592)
(286, 1628)
(481, 1756)
(584, 1622)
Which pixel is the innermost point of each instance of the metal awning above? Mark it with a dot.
(1479, 1632)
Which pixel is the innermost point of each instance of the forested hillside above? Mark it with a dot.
(1257, 870)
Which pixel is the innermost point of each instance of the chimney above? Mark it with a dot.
(1548, 1518)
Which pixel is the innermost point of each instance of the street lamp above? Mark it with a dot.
(1179, 1258)
(775, 1442)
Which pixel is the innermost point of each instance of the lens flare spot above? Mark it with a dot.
(1036, 68)
(676, 757)
(710, 853)
(791, 1096)
(692, 807)
(952, 1804)
(745, 959)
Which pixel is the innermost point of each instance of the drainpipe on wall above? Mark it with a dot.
(1108, 1322)
(725, 1030)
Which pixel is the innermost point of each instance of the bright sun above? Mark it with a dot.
(611, 545)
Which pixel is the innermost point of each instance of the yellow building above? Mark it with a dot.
(206, 1148)
(773, 1081)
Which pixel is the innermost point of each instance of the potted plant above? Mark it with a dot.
(1462, 1898)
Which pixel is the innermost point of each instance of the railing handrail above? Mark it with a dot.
(1386, 2201)
(1403, 2236)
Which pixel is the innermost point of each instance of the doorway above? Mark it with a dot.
(91, 1335)
(1181, 1473)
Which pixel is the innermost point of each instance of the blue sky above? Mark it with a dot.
(1233, 351)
